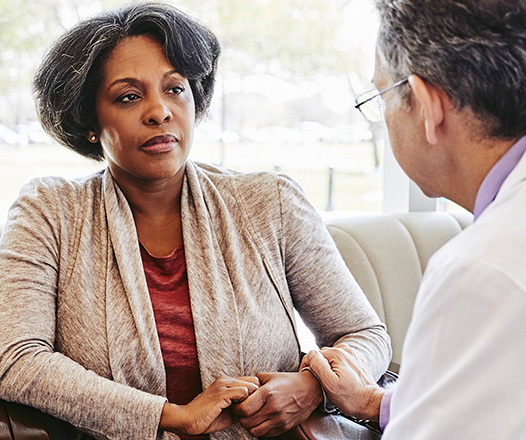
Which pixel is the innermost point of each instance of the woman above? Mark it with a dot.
(127, 293)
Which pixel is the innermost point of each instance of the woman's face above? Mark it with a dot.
(146, 114)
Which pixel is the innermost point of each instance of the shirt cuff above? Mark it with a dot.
(385, 408)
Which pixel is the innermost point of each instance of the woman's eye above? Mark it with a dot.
(177, 90)
(129, 97)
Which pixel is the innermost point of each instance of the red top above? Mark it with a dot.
(170, 296)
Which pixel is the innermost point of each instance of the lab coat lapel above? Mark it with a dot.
(517, 175)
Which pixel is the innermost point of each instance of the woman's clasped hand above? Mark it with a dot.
(266, 405)
(211, 410)
(283, 401)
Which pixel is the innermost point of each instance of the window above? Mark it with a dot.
(288, 76)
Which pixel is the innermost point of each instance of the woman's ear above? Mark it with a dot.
(430, 100)
(92, 137)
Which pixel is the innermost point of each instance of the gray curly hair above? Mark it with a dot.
(66, 83)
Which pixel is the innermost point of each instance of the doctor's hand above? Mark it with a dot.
(211, 410)
(347, 381)
(283, 401)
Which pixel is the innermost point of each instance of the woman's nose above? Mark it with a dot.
(157, 112)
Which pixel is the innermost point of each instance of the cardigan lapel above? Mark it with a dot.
(214, 308)
(134, 349)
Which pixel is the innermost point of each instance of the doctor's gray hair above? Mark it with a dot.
(475, 50)
(67, 81)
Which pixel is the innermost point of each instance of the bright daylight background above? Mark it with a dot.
(288, 76)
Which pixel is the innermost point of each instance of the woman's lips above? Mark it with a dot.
(160, 144)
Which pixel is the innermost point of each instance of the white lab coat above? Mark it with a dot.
(464, 356)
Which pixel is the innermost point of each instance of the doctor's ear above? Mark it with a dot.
(430, 100)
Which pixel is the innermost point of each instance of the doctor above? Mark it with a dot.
(452, 83)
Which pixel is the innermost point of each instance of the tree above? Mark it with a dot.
(295, 40)
(27, 28)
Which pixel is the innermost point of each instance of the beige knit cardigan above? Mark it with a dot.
(77, 332)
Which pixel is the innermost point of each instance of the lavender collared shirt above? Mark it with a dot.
(497, 175)
(486, 194)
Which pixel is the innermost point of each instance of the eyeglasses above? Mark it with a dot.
(371, 103)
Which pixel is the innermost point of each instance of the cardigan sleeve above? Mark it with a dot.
(323, 290)
(34, 243)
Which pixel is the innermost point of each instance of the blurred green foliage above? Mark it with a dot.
(291, 39)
